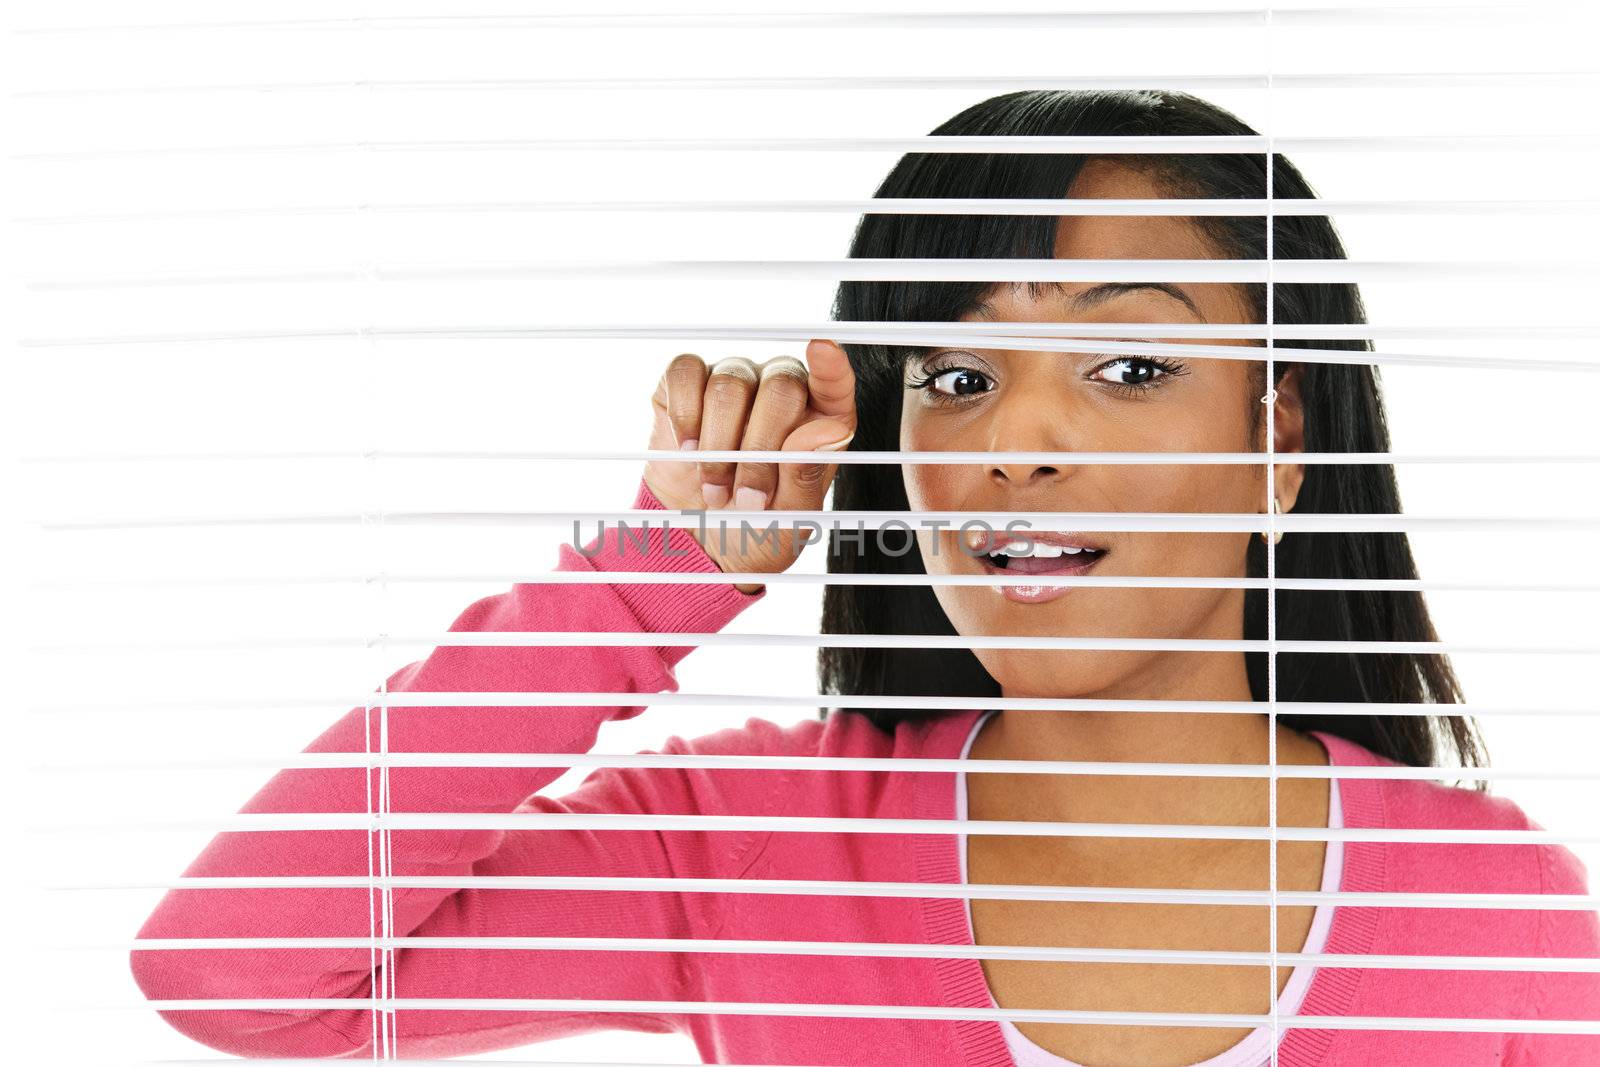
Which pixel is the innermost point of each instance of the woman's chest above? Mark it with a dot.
(1138, 980)
(880, 966)
(1131, 984)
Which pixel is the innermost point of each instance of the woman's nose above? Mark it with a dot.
(1025, 475)
(1030, 428)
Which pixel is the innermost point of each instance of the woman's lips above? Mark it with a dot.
(1043, 564)
(1074, 554)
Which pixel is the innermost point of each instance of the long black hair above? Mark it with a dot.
(1343, 413)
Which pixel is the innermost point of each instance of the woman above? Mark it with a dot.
(911, 1009)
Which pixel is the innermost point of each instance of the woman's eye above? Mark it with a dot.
(1131, 371)
(958, 381)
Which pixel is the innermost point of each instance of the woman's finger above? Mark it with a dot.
(730, 391)
(781, 401)
(833, 382)
(802, 486)
(685, 389)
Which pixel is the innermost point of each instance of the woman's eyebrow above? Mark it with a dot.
(1096, 295)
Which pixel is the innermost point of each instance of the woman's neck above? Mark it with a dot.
(1142, 737)
(1184, 737)
(1151, 737)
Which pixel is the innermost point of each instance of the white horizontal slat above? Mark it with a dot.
(1281, 271)
(289, 1062)
(1466, 1024)
(872, 336)
(757, 455)
(1236, 17)
(681, 639)
(269, 1061)
(805, 578)
(1543, 335)
(1171, 144)
(374, 822)
(1286, 207)
(812, 764)
(1191, 83)
(817, 887)
(1033, 335)
(861, 949)
(1074, 521)
(530, 699)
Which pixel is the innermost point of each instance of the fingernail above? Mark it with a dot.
(839, 445)
(716, 495)
(749, 499)
(691, 444)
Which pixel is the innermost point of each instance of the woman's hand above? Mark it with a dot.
(782, 404)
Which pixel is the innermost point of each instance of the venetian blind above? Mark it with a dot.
(332, 318)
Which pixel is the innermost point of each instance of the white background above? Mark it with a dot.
(291, 85)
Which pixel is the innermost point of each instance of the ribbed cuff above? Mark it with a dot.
(643, 545)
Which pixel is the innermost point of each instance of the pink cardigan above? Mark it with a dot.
(927, 985)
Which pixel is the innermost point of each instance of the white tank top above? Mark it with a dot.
(1254, 1049)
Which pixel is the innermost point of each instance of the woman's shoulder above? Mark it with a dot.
(1425, 802)
(1431, 804)
(1428, 867)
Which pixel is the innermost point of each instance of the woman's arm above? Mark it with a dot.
(346, 973)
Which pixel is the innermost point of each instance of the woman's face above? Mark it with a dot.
(1001, 400)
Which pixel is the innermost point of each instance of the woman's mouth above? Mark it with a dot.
(1035, 553)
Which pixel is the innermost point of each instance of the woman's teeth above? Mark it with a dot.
(1017, 548)
(1040, 558)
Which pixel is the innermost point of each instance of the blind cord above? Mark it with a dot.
(1270, 400)
(385, 1024)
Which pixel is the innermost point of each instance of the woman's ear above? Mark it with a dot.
(1289, 435)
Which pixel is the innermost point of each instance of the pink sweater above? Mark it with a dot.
(927, 985)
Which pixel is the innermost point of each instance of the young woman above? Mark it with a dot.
(702, 959)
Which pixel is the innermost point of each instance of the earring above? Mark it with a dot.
(1277, 535)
